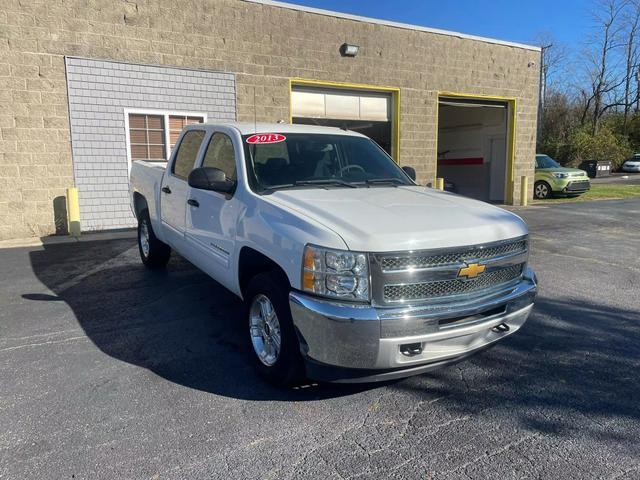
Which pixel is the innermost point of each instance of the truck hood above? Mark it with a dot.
(382, 219)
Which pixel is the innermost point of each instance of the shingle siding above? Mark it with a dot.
(99, 92)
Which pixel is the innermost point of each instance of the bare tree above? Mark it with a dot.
(603, 62)
(632, 23)
(595, 88)
(555, 63)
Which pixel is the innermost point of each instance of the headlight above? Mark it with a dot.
(560, 175)
(335, 273)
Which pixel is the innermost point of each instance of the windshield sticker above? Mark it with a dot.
(261, 138)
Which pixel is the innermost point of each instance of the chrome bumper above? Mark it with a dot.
(368, 338)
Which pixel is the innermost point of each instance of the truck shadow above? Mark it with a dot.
(178, 323)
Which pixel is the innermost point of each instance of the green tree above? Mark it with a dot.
(605, 144)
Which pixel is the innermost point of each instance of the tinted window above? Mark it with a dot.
(220, 154)
(177, 123)
(187, 153)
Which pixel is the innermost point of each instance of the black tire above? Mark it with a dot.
(288, 368)
(542, 190)
(157, 254)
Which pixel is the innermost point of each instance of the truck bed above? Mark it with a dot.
(146, 179)
(158, 165)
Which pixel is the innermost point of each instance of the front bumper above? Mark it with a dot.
(577, 186)
(345, 342)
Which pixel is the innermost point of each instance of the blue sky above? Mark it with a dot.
(514, 20)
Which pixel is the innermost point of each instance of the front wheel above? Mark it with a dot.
(542, 190)
(275, 350)
(153, 252)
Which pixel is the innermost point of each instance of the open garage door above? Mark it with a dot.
(472, 147)
(367, 112)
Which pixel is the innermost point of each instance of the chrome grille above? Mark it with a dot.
(409, 261)
(420, 291)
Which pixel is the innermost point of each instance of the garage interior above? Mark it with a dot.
(367, 112)
(472, 147)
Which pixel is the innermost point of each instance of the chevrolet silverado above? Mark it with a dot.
(348, 269)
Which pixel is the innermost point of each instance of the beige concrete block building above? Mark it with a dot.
(87, 87)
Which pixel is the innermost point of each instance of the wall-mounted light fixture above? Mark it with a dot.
(348, 50)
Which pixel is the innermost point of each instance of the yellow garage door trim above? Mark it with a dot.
(395, 99)
(511, 132)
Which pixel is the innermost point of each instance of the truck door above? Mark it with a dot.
(211, 216)
(174, 190)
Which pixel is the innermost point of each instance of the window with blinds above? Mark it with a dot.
(153, 136)
(147, 137)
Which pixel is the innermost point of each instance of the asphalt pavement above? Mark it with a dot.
(618, 178)
(108, 370)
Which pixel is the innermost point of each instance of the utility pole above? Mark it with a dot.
(543, 88)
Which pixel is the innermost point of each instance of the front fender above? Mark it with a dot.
(557, 184)
(281, 235)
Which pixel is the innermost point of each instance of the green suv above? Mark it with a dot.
(552, 178)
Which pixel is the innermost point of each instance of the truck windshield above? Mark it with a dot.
(319, 161)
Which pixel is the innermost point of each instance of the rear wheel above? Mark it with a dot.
(275, 350)
(153, 253)
(542, 190)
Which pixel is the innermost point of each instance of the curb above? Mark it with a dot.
(60, 240)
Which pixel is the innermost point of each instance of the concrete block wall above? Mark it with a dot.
(263, 45)
(100, 92)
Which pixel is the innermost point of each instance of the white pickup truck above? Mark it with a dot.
(349, 270)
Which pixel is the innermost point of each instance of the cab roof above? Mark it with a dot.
(248, 128)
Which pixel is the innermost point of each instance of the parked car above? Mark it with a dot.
(349, 271)
(632, 164)
(551, 178)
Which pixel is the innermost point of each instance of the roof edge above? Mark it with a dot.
(389, 23)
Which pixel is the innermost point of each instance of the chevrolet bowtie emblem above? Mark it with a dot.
(472, 270)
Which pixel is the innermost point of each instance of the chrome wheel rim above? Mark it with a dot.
(265, 330)
(541, 191)
(143, 237)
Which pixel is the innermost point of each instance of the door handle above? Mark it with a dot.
(193, 203)
(166, 189)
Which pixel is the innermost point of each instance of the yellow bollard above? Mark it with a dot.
(440, 183)
(524, 190)
(73, 211)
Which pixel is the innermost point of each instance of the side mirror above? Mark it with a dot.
(410, 171)
(210, 178)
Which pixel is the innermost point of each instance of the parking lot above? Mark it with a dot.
(108, 370)
(618, 178)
